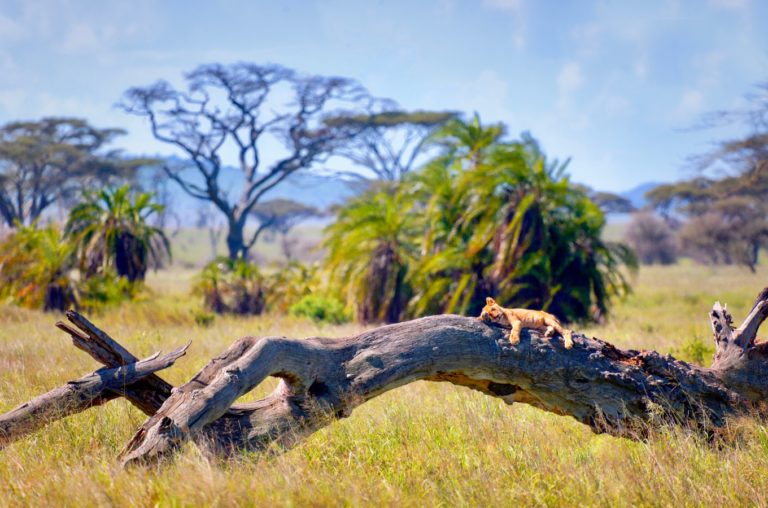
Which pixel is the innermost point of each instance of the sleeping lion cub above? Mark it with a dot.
(518, 319)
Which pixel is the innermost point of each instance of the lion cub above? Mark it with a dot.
(518, 319)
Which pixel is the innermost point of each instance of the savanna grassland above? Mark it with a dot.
(423, 444)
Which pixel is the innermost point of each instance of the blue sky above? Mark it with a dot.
(615, 85)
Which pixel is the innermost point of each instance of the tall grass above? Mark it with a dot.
(423, 444)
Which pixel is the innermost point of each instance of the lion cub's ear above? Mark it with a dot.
(490, 301)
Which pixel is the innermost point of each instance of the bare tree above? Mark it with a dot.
(390, 143)
(228, 110)
(48, 161)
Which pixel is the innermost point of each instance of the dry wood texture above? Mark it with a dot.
(621, 392)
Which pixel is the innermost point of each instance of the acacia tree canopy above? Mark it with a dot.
(389, 143)
(45, 161)
(725, 217)
(236, 111)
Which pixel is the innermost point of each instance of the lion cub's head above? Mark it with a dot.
(493, 313)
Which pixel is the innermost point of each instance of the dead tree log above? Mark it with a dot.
(88, 391)
(229, 432)
(620, 392)
(144, 389)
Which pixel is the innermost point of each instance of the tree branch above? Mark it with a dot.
(88, 391)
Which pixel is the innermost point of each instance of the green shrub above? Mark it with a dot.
(288, 284)
(106, 289)
(231, 286)
(35, 269)
(204, 319)
(697, 351)
(319, 308)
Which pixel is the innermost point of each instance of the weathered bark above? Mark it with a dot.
(610, 390)
(148, 394)
(88, 391)
(621, 392)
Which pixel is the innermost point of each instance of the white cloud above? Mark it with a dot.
(690, 103)
(708, 67)
(488, 93)
(570, 78)
(614, 105)
(10, 29)
(81, 37)
(12, 102)
(59, 24)
(520, 25)
(640, 68)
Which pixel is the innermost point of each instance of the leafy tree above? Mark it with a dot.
(237, 109)
(724, 221)
(732, 231)
(652, 239)
(370, 247)
(608, 202)
(290, 283)
(518, 229)
(487, 217)
(390, 143)
(319, 308)
(35, 265)
(725, 218)
(111, 231)
(51, 160)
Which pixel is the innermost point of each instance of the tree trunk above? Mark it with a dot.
(610, 390)
(620, 392)
(236, 239)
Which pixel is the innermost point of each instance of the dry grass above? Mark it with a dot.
(424, 444)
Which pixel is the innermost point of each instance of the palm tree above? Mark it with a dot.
(370, 248)
(111, 231)
(34, 269)
(450, 271)
(506, 221)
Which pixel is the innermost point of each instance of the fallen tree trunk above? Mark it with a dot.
(621, 392)
(90, 390)
(610, 390)
(230, 432)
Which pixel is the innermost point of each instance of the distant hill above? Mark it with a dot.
(636, 195)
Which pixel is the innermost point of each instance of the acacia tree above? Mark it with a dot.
(280, 216)
(726, 216)
(50, 160)
(236, 110)
(389, 143)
